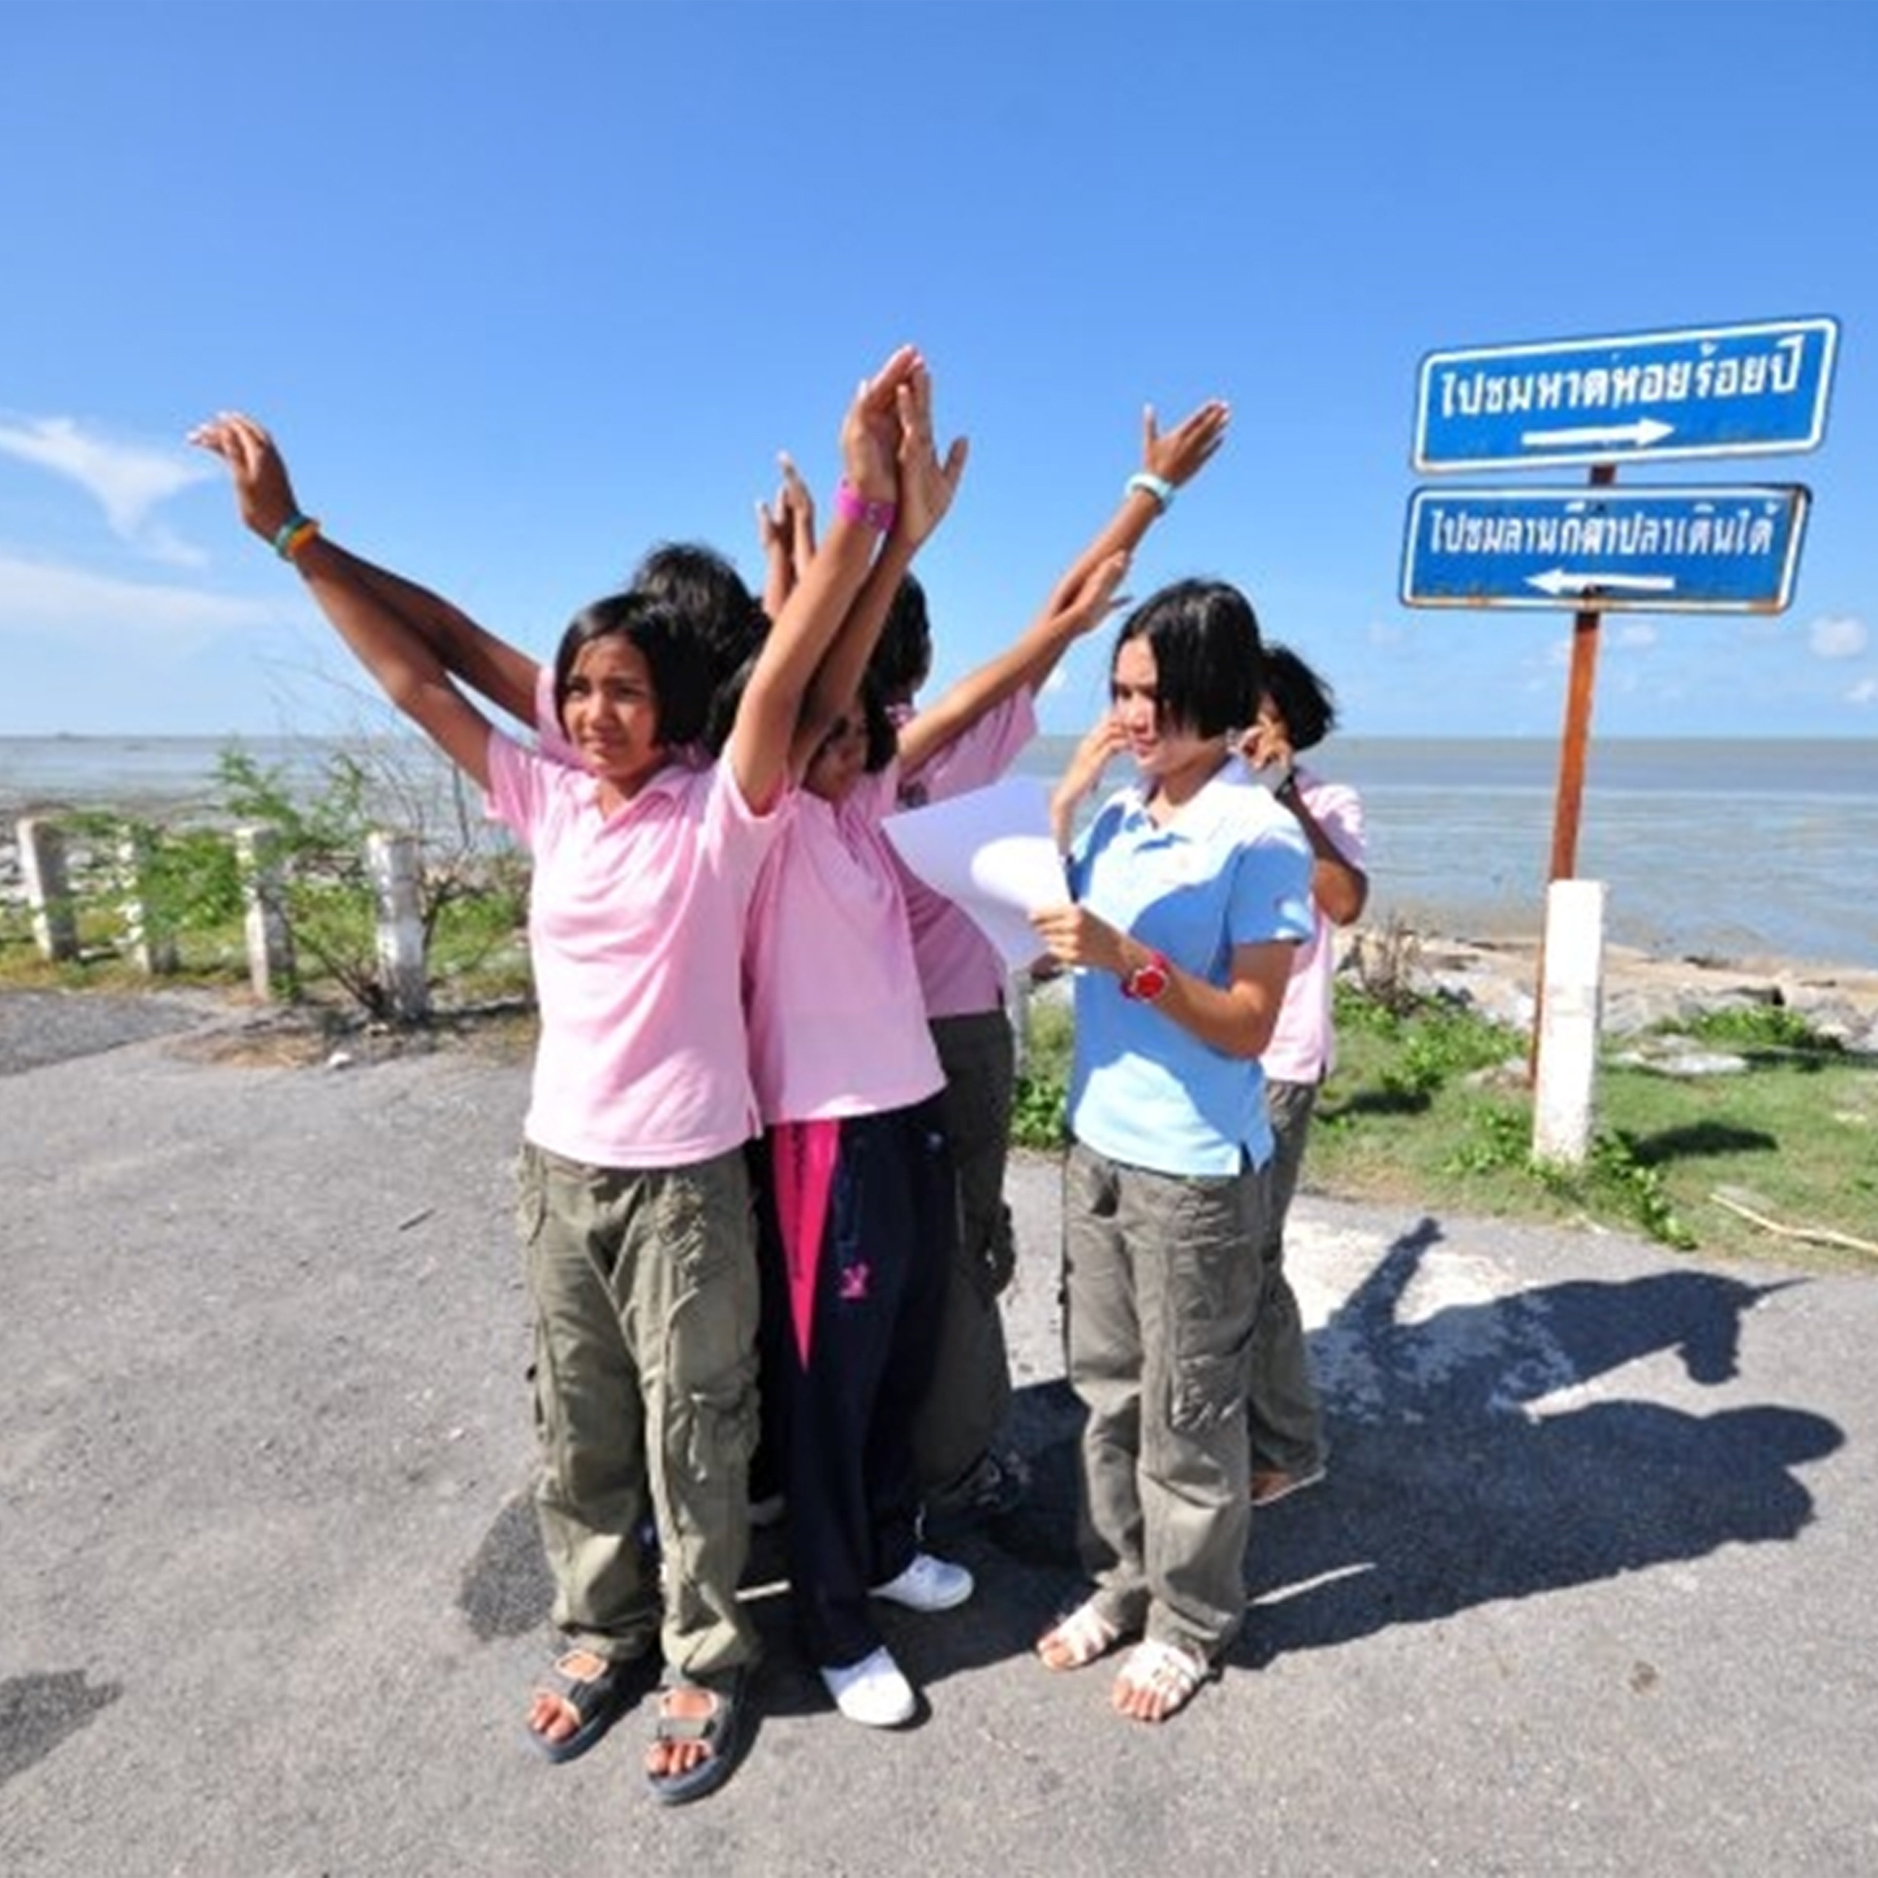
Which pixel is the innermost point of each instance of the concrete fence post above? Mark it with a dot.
(396, 870)
(1017, 1008)
(1571, 1012)
(271, 967)
(48, 893)
(147, 941)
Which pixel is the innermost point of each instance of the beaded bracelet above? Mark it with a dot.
(293, 535)
(852, 506)
(1151, 485)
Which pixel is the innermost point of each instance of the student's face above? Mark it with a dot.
(840, 759)
(1161, 751)
(611, 712)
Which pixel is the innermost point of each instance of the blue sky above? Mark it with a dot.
(523, 288)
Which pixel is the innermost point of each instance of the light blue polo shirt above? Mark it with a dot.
(1232, 868)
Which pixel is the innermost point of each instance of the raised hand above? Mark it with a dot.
(1080, 777)
(1182, 452)
(870, 433)
(1080, 607)
(1268, 743)
(262, 487)
(1084, 769)
(927, 485)
(787, 525)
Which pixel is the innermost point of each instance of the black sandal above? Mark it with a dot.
(594, 1689)
(723, 1728)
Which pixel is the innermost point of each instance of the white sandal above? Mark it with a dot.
(1078, 1639)
(1164, 1672)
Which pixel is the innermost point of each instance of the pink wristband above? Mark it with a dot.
(852, 506)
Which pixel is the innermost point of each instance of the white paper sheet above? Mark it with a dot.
(990, 851)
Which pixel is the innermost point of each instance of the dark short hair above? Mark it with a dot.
(902, 659)
(708, 595)
(883, 740)
(1305, 701)
(675, 656)
(1208, 662)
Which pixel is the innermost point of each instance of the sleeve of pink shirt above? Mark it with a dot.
(977, 756)
(516, 792)
(1338, 811)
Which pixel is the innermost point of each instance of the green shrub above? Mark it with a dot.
(1755, 1026)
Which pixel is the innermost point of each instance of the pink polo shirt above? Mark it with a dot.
(635, 929)
(960, 972)
(837, 1025)
(1304, 1044)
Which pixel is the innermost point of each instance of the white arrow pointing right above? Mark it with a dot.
(1640, 435)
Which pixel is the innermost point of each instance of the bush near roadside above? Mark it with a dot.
(472, 899)
(1430, 1107)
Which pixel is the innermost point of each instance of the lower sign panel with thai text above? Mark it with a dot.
(1714, 549)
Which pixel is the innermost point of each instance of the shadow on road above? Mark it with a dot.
(1472, 1460)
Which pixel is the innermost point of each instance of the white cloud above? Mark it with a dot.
(93, 610)
(1864, 692)
(1387, 634)
(1837, 637)
(126, 480)
(1633, 634)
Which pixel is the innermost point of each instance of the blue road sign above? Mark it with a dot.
(1709, 550)
(1709, 391)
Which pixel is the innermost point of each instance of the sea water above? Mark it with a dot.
(1710, 848)
(1716, 848)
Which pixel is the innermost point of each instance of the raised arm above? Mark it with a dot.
(1338, 884)
(926, 489)
(1168, 461)
(502, 673)
(1083, 596)
(386, 641)
(1081, 775)
(1068, 615)
(785, 530)
(765, 731)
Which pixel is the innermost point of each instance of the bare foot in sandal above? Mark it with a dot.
(579, 1699)
(1079, 1639)
(701, 1730)
(1157, 1680)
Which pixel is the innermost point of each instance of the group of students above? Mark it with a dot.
(770, 1100)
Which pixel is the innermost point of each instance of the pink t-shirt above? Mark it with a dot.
(1304, 1045)
(837, 1025)
(960, 972)
(635, 930)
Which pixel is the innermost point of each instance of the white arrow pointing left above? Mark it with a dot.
(1556, 581)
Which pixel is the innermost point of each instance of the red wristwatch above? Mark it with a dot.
(1148, 980)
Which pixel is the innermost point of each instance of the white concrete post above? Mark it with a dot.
(1571, 1011)
(149, 946)
(1017, 1009)
(271, 970)
(397, 875)
(48, 894)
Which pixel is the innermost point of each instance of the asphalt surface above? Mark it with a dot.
(1588, 1589)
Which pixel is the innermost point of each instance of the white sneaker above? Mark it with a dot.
(928, 1584)
(872, 1691)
